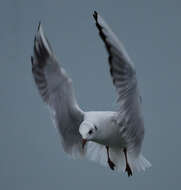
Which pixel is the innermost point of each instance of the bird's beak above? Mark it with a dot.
(83, 142)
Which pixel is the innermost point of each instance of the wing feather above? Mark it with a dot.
(124, 79)
(56, 90)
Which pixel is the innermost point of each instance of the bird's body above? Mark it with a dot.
(111, 138)
(110, 133)
(108, 129)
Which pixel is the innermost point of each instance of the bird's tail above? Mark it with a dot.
(96, 152)
(137, 163)
(141, 163)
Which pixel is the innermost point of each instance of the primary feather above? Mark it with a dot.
(124, 79)
(56, 89)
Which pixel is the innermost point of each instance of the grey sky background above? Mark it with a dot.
(31, 156)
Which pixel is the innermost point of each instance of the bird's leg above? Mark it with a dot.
(111, 164)
(128, 168)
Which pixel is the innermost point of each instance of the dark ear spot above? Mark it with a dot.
(96, 128)
(90, 132)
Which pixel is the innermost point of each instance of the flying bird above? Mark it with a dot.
(112, 138)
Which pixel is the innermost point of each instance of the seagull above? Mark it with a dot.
(111, 138)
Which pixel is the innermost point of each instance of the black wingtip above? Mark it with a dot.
(39, 24)
(35, 39)
(95, 15)
(32, 60)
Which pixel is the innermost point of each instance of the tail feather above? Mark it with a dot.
(141, 163)
(97, 153)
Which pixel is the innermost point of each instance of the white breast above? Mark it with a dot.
(108, 131)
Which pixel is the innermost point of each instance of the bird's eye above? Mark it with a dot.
(90, 132)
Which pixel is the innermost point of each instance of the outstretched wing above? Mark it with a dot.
(55, 88)
(124, 79)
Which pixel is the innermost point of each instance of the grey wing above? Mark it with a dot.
(124, 79)
(55, 88)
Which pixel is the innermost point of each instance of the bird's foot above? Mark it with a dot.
(128, 170)
(111, 164)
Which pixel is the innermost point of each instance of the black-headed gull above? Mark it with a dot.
(113, 139)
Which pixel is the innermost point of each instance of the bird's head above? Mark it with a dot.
(88, 131)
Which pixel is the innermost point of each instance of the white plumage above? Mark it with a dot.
(113, 139)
